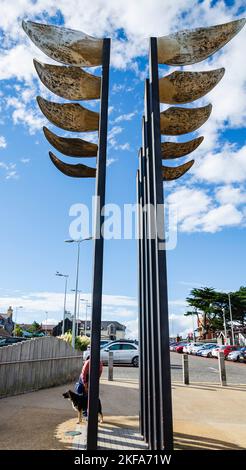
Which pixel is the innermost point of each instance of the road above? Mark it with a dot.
(200, 369)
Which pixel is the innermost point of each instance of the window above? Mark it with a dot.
(127, 346)
(114, 347)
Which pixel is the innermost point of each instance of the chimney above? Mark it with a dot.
(10, 312)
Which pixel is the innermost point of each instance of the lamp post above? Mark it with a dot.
(66, 276)
(224, 320)
(232, 327)
(16, 310)
(46, 318)
(86, 313)
(76, 286)
(78, 305)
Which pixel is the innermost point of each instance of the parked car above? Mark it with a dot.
(207, 352)
(179, 347)
(172, 346)
(226, 348)
(204, 347)
(198, 347)
(242, 357)
(235, 355)
(188, 348)
(124, 353)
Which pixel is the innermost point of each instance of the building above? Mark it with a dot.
(6, 322)
(110, 330)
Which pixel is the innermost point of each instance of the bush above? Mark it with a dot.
(81, 342)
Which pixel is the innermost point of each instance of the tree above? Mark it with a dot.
(18, 330)
(213, 306)
(35, 327)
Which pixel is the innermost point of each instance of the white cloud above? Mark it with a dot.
(125, 117)
(115, 307)
(10, 171)
(225, 166)
(231, 194)
(219, 217)
(3, 142)
(198, 211)
(114, 131)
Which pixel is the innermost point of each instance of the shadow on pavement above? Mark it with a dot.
(189, 442)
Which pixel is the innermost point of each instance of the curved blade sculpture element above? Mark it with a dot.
(71, 147)
(177, 121)
(69, 116)
(77, 171)
(173, 173)
(70, 83)
(65, 45)
(183, 87)
(171, 150)
(194, 45)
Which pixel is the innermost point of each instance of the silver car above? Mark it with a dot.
(123, 353)
(234, 355)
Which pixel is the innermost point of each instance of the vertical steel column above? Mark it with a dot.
(145, 330)
(98, 256)
(151, 242)
(161, 273)
(150, 333)
(140, 313)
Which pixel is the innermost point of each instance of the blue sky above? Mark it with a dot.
(36, 198)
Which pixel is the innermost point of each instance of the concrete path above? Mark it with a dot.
(205, 417)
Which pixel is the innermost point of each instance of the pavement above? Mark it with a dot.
(206, 416)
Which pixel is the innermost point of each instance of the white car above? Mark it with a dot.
(207, 352)
(189, 348)
(200, 348)
(215, 351)
(123, 353)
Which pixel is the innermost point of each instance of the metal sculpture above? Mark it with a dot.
(71, 147)
(182, 48)
(71, 83)
(76, 49)
(183, 87)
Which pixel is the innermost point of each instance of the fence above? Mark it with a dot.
(37, 363)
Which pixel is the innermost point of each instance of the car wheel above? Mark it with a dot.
(135, 361)
(209, 355)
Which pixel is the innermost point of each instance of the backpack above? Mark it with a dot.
(78, 388)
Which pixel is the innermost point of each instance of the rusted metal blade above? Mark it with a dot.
(69, 116)
(183, 87)
(171, 150)
(77, 171)
(65, 45)
(191, 46)
(70, 83)
(177, 121)
(71, 147)
(173, 173)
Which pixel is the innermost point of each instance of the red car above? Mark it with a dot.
(227, 348)
(179, 348)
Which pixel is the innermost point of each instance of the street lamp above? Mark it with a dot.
(76, 287)
(78, 308)
(86, 311)
(232, 327)
(224, 319)
(65, 298)
(46, 317)
(16, 310)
